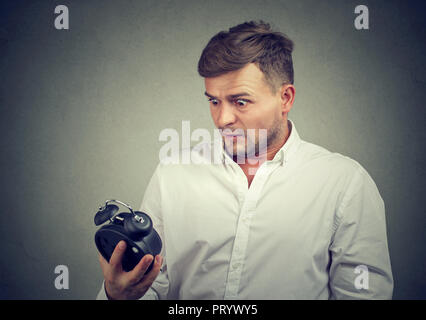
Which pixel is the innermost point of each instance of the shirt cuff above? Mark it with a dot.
(102, 294)
(149, 295)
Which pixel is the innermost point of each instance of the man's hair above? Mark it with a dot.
(249, 42)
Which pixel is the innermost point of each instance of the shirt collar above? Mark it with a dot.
(284, 153)
(289, 146)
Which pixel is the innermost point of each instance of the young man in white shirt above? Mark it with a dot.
(301, 222)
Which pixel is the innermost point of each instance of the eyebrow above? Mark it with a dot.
(231, 96)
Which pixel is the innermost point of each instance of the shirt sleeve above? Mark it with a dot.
(360, 266)
(149, 295)
(151, 205)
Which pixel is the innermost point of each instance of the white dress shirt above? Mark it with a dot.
(301, 230)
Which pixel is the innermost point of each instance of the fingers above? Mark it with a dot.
(117, 256)
(149, 278)
(114, 268)
(139, 270)
(155, 269)
(138, 273)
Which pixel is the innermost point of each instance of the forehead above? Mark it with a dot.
(249, 79)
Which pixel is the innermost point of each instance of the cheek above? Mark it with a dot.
(259, 118)
(213, 113)
(271, 115)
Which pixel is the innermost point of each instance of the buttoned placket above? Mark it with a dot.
(248, 198)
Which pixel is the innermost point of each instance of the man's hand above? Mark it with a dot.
(128, 285)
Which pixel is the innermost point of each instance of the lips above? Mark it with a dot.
(228, 133)
(233, 135)
(233, 138)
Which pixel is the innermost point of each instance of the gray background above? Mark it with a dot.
(81, 112)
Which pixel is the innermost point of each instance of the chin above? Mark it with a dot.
(236, 151)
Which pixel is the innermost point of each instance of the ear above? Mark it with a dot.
(287, 95)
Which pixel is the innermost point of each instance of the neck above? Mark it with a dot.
(250, 167)
(273, 148)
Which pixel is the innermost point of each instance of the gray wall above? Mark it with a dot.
(81, 112)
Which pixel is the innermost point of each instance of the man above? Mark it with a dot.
(301, 222)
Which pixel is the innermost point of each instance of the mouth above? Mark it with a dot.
(233, 133)
(233, 137)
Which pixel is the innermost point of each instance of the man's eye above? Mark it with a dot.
(241, 102)
(213, 101)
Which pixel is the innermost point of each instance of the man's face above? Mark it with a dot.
(242, 100)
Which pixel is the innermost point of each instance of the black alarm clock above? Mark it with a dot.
(134, 227)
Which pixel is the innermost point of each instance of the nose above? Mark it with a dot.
(225, 116)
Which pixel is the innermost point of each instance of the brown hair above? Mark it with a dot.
(249, 42)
